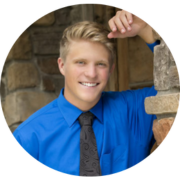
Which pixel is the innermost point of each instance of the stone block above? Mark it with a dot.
(63, 15)
(22, 75)
(45, 20)
(53, 84)
(173, 77)
(171, 57)
(49, 65)
(14, 126)
(165, 75)
(161, 128)
(69, 15)
(162, 104)
(22, 48)
(18, 106)
(59, 84)
(46, 40)
(48, 84)
(2, 90)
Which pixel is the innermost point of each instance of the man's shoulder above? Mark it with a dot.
(116, 95)
(40, 116)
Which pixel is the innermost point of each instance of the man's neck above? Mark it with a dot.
(83, 106)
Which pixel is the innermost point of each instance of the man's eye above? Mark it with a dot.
(101, 64)
(80, 62)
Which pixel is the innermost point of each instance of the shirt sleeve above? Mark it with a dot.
(28, 141)
(140, 123)
(151, 46)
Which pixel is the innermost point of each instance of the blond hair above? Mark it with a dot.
(89, 31)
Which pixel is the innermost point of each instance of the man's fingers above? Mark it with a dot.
(129, 17)
(110, 35)
(119, 24)
(114, 35)
(125, 22)
(112, 25)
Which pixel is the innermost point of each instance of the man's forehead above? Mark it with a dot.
(81, 45)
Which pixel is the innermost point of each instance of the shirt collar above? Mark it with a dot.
(71, 112)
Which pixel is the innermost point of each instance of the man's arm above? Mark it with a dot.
(125, 24)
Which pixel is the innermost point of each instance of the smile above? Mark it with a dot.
(89, 84)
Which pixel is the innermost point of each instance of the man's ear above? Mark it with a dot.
(112, 68)
(60, 62)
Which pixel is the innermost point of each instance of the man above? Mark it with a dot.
(86, 131)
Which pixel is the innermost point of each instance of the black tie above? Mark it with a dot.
(89, 160)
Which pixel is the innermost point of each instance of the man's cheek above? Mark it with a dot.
(106, 75)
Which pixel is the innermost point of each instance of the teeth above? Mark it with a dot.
(89, 84)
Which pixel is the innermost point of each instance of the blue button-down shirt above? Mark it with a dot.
(122, 129)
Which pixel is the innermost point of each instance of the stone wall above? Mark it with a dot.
(166, 81)
(30, 77)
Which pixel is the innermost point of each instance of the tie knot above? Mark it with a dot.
(85, 119)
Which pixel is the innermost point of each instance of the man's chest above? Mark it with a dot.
(63, 152)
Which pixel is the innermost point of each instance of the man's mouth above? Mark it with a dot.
(89, 84)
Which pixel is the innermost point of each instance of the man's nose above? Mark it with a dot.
(91, 71)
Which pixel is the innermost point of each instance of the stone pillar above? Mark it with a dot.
(166, 81)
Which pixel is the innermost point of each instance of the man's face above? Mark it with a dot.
(86, 71)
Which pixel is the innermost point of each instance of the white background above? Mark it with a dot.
(17, 15)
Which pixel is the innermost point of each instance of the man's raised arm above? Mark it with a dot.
(125, 24)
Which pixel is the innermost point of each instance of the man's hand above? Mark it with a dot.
(125, 24)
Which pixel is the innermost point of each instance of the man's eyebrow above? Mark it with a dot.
(79, 59)
(102, 60)
(83, 59)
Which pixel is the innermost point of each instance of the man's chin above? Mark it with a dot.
(90, 99)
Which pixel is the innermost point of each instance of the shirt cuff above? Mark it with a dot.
(151, 46)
